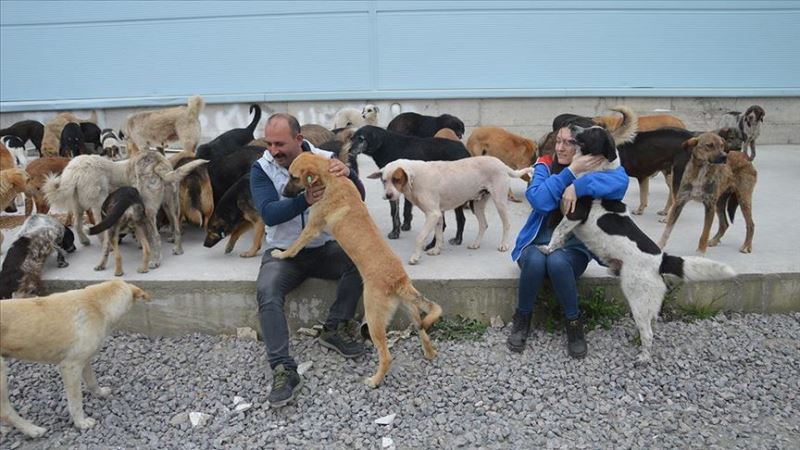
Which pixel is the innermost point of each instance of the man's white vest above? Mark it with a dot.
(283, 234)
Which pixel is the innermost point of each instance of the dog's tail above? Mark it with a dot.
(432, 310)
(519, 173)
(695, 268)
(626, 131)
(256, 118)
(124, 202)
(55, 192)
(12, 268)
(178, 174)
(195, 105)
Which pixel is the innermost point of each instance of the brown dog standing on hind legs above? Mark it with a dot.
(720, 183)
(386, 283)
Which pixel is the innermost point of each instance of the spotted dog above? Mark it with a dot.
(607, 230)
(22, 267)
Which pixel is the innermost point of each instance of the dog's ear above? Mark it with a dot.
(375, 175)
(689, 144)
(609, 149)
(401, 178)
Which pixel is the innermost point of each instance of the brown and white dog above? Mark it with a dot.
(749, 123)
(437, 186)
(160, 127)
(721, 183)
(12, 182)
(67, 329)
(386, 283)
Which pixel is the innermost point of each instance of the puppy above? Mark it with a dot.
(341, 212)
(436, 186)
(159, 128)
(413, 124)
(720, 182)
(27, 130)
(51, 138)
(608, 231)
(91, 135)
(231, 139)
(514, 150)
(37, 238)
(67, 329)
(71, 144)
(124, 209)
(109, 142)
(233, 216)
(748, 123)
(38, 171)
(316, 134)
(385, 146)
(16, 146)
(351, 117)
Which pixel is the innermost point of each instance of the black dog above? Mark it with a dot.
(27, 130)
(71, 141)
(91, 135)
(224, 172)
(231, 139)
(385, 146)
(413, 124)
(233, 216)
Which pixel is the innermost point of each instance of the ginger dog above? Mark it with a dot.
(67, 329)
(386, 283)
(516, 151)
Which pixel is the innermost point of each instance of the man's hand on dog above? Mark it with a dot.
(314, 193)
(339, 168)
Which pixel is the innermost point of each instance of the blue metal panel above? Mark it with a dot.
(60, 55)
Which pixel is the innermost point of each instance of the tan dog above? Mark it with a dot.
(38, 170)
(720, 183)
(12, 182)
(51, 140)
(516, 151)
(7, 160)
(386, 284)
(646, 123)
(67, 329)
(161, 127)
(316, 134)
(195, 195)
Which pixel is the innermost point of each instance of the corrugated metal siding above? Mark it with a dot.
(59, 55)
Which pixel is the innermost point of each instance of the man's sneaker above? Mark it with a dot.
(286, 384)
(338, 340)
(576, 344)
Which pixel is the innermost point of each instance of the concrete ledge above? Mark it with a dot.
(219, 307)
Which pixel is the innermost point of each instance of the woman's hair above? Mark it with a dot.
(555, 167)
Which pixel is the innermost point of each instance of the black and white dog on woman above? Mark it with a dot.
(607, 230)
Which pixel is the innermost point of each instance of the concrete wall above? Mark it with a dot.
(527, 116)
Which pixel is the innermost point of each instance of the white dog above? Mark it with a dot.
(351, 117)
(67, 329)
(160, 127)
(436, 186)
(607, 230)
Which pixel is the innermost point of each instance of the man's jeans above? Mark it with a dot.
(277, 277)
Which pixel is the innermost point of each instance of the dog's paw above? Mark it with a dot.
(638, 211)
(430, 355)
(394, 234)
(455, 241)
(503, 248)
(434, 251)
(713, 243)
(278, 254)
(746, 249)
(155, 264)
(406, 226)
(85, 242)
(85, 423)
(169, 239)
(663, 220)
(663, 212)
(177, 251)
(119, 273)
(545, 249)
(228, 249)
(102, 392)
(62, 264)
(643, 358)
(413, 260)
(32, 431)
(371, 382)
(143, 269)
(99, 267)
(474, 245)
(248, 254)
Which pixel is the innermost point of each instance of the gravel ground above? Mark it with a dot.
(727, 382)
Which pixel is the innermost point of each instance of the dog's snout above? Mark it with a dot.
(720, 159)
